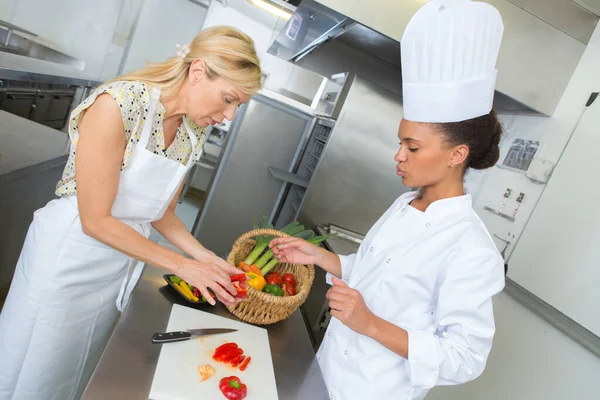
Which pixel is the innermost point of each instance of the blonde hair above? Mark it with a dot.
(227, 52)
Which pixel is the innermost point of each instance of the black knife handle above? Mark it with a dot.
(170, 337)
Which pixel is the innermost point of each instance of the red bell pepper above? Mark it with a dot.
(226, 347)
(245, 363)
(237, 361)
(239, 283)
(232, 355)
(232, 388)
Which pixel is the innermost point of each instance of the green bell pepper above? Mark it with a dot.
(273, 289)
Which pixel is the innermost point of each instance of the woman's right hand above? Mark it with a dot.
(295, 251)
(208, 274)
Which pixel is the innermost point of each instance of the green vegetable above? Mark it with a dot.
(262, 242)
(311, 239)
(190, 286)
(273, 289)
(175, 279)
(291, 229)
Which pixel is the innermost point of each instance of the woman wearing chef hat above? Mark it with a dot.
(413, 308)
(132, 142)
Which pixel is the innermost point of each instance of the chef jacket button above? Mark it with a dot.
(388, 261)
(345, 352)
(428, 224)
(371, 249)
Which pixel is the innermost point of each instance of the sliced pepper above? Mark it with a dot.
(232, 388)
(205, 371)
(232, 355)
(240, 288)
(185, 288)
(244, 364)
(186, 294)
(256, 281)
(226, 347)
(237, 361)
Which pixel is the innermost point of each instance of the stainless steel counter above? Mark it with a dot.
(14, 66)
(24, 143)
(127, 366)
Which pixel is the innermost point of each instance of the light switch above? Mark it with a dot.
(540, 170)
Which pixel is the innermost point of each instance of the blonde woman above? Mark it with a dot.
(132, 142)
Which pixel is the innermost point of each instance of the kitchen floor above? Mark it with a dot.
(187, 211)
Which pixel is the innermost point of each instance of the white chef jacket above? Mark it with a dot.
(431, 273)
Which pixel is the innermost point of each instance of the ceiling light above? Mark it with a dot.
(273, 8)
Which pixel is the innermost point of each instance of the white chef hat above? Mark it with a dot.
(448, 54)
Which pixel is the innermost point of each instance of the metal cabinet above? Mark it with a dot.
(19, 102)
(43, 103)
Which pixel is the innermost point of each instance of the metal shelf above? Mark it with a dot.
(289, 177)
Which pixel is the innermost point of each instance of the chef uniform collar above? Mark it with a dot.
(448, 54)
(444, 207)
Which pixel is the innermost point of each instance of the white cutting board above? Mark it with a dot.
(176, 376)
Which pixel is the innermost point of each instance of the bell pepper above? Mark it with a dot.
(245, 363)
(237, 361)
(229, 357)
(185, 291)
(232, 388)
(226, 347)
(205, 371)
(256, 281)
(239, 283)
(273, 289)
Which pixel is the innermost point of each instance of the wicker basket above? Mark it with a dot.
(263, 308)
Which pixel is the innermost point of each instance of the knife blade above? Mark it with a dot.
(178, 336)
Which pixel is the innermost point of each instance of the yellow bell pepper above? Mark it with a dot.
(256, 281)
(186, 290)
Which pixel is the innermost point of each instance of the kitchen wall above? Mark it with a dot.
(160, 27)
(80, 28)
(531, 359)
(553, 134)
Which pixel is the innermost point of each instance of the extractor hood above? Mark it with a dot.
(535, 63)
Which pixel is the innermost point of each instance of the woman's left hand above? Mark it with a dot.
(349, 307)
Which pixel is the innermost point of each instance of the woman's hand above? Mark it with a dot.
(349, 307)
(295, 251)
(211, 271)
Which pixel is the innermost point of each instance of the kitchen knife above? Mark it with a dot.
(186, 335)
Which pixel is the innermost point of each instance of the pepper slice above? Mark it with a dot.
(226, 347)
(232, 388)
(232, 355)
(237, 361)
(244, 364)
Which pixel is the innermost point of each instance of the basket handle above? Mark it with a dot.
(259, 232)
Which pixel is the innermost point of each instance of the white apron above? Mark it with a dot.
(61, 308)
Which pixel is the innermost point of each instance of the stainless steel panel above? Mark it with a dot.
(19, 198)
(355, 181)
(269, 133)
(565, 15)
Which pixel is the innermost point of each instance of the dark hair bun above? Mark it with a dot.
(482, 136)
